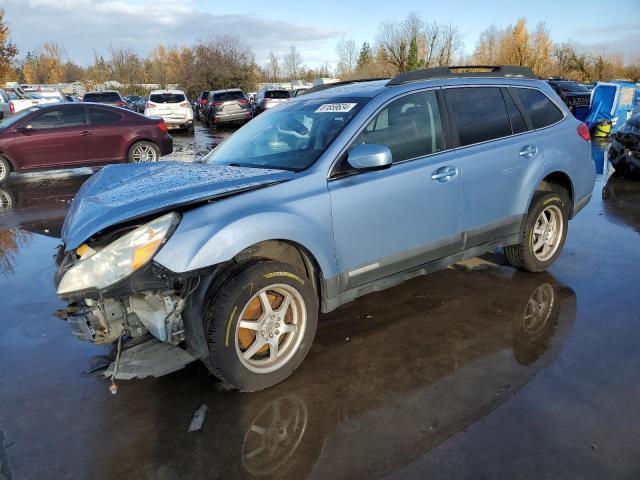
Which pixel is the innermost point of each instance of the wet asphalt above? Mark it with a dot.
(477, 371)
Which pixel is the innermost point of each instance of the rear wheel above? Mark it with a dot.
(5, 170)
(544, 233)
(260, 325)
(7, 202)
(143, 151)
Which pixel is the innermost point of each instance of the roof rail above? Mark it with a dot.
(506, 71)
(325, 86)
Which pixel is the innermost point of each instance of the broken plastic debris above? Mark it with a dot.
(198, 418)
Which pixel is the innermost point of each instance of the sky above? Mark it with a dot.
(82, 26)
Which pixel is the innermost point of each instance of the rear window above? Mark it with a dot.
(478, 114)
(277, 94)
(541, 111)
(102, 97)
(572, 87)
(167, 98)
(226, 96)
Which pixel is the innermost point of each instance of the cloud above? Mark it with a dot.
(80, 26)
(618, 38)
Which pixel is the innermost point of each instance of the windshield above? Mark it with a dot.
(289, 137)
(572, 87)
(13, 119)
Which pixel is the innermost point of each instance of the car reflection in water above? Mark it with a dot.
(621, 198)
(390, 377)
(38, 206)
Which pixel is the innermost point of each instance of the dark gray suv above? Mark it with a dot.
(225, 106)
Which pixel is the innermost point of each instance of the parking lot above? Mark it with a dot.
(483, 371)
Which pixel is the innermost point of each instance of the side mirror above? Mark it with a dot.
(371, 156)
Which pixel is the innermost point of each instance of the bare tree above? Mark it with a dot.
(348, 58)
(293, 65)
(432, 36)
(273, 68)
(393, 40)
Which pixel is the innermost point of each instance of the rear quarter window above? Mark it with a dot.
(100, 116)
(541, 111)
(478, 114)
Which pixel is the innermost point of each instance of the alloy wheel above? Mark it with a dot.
(144, 153)
(270, 328)
(547, 233)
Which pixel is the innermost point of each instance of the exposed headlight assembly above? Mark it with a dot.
(119, 259)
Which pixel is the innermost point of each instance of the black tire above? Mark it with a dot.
(522, 255)
(7, 201)
(222, 311)
(142, 144)
(5, 170)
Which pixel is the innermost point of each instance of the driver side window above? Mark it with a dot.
(59, 117)
(410, 126)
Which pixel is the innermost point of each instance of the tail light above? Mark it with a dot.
(151, 105)
(120, 103)
(185, 105)
(583, 131)
(203, 101)
(218, 104)
(12, 108)
(243, 102)
(163, 126)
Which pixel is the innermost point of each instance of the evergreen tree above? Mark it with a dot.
(413, 63)
(365, 56)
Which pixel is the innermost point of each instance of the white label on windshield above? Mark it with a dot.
(335, 107)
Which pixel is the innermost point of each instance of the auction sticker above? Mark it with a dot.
(335, 107)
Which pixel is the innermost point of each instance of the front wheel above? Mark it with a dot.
(5, 170)
(544, 233)
(143, 151)
(260, 325)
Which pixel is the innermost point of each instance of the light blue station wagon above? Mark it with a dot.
(343, 191)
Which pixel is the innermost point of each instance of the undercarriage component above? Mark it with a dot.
(149, 359)
(160, 314)
(99, 322)
(104, 321)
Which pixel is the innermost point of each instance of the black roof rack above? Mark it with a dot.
(507, 71)
(325, 86)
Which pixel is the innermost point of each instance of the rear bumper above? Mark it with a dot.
(223, 117)
(166, 145)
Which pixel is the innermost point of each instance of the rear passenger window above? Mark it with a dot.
(518, 124)
(478, 114)
(103, 117)
(410, 127)
(541, 111)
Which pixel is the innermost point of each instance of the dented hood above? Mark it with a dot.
(118, 193)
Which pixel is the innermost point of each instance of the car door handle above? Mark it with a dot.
(528, 151)
(444, 174)
(85, 133)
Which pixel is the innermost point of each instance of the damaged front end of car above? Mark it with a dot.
(118, 294)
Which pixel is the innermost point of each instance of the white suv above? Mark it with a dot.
(172, 106)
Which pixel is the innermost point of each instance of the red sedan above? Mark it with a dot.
(78, 135)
